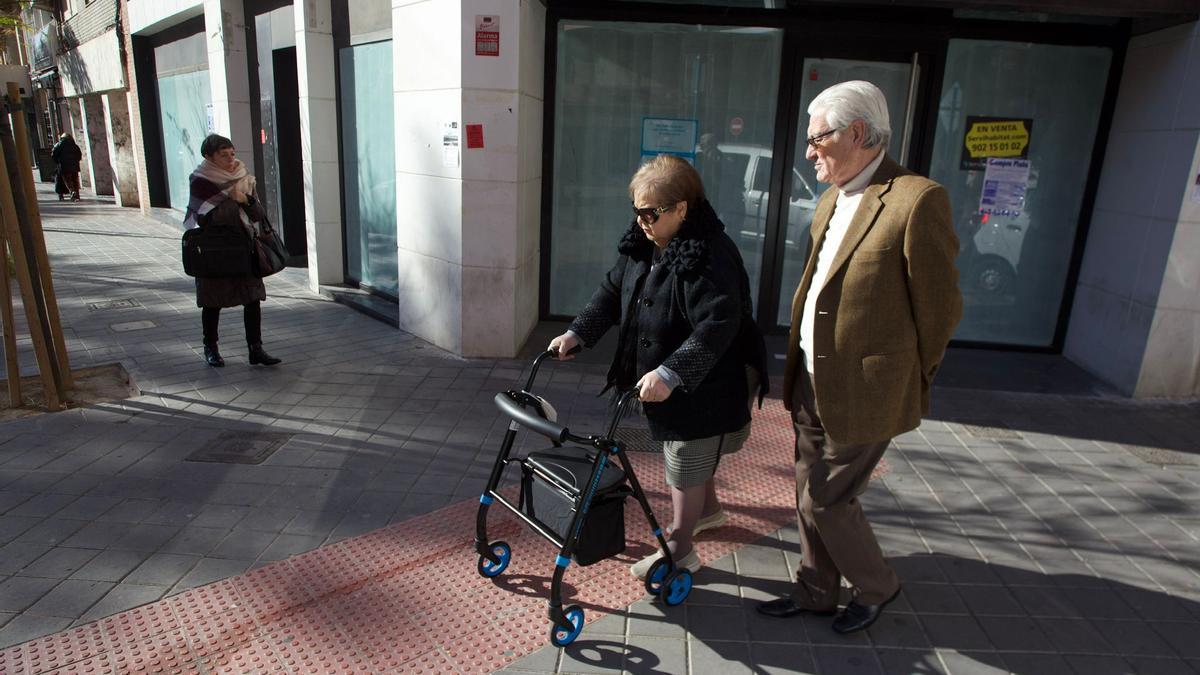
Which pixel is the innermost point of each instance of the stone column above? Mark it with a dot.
(1136, 314)
(120, 148)
(95, 138)
(79, 131)
(229, 74)
(468, 233)
(318, 141)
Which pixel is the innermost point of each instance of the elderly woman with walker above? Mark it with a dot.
(680, 297)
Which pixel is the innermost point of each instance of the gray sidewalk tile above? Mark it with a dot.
(646, 619)
(26, 627)
(109, 566)
(715, 657)
(287, 545)
(15, 556)
(162, 569)
(51, 531)
(12, 527)
(1146, 665)
(1086, 664)
(41, 506)
(717, 623)
(145, 537)
(195, 540)
(907, 661)
(973, 662)
(954, 632)
(648, 655)
(70, 599)
(209, 570)
(17, 593)
(775, 659)
(846, 660)
(59, 563)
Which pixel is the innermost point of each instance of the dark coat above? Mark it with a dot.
(690, 312)
(230, 292)
(67, 155)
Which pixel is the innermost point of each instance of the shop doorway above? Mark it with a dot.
(288, 155)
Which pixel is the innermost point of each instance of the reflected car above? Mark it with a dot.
(754, 162)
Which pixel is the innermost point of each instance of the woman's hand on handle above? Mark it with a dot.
(652, 389)
(562, 346)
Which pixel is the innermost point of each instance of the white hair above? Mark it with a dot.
(855, 100)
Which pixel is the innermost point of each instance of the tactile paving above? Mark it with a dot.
(407, 598)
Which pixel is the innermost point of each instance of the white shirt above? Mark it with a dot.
(848, 199)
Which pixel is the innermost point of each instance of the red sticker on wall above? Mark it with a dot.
(487, 35)
(474, 135)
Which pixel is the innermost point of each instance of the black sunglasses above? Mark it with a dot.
(649, 214)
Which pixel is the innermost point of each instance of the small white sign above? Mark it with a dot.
(450, 144)
(210, 120)
(665, 136)
(1004, 186)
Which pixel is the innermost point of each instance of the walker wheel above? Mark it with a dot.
(676, 586)
(489, 569)
(561, 637)
(656, 575)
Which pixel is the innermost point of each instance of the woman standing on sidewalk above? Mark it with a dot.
(222, 196)
(681, 298)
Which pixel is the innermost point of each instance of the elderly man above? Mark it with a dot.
(875, 308)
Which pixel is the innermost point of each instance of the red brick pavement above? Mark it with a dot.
(407, 598)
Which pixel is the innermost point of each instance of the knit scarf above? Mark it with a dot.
(210, 185)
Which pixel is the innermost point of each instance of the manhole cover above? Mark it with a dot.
(124, 303)
(240, 447)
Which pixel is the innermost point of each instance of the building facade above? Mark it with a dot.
(467, 160)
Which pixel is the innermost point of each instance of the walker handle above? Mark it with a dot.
(507, 403)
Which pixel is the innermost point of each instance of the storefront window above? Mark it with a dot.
(628, 91)
(1033, 110)
(369, 164)
(184, 107)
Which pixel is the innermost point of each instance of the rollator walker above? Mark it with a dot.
(573, 495)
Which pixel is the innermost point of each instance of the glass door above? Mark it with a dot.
(898, 82)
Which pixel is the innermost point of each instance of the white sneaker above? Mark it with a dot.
(641, 568)
(710, 522)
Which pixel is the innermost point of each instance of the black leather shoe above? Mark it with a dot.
(258, 357)
(213, 357)
(857, 616)
(785, 607)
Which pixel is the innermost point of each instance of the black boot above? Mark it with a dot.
(258, 357)
(213, 357)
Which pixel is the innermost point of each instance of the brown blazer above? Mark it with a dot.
(887, 310)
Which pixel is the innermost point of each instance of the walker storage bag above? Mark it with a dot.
(552, 481)
(216, 253)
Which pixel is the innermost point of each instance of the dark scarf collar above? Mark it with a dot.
(688, 251)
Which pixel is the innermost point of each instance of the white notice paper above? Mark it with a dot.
(1004, 186)
(450, 143)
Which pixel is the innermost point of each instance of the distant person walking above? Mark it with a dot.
(222, 196)
(67, 156)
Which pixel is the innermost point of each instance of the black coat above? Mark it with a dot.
(67, 155)
(222, 292)
(690, 312)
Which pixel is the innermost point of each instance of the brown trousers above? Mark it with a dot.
(835, 538)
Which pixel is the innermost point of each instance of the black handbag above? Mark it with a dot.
(216, 253)
(269, 255)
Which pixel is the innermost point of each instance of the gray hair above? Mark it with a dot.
(855, 100)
